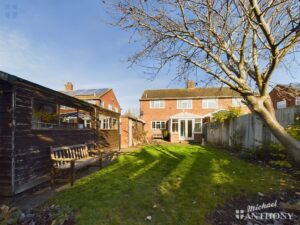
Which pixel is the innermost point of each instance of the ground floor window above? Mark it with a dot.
(198, 126)
(158, 125)
(175, 125)
(107, 123)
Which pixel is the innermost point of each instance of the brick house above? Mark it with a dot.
(285, 95)
(132, 130)
(181, 112)
(103, 97)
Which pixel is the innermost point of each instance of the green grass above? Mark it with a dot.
(184, 182)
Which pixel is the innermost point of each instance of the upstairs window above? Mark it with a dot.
(184, 104)
(158, 104)
(210, 103)
(109, 106)
(237, 102)
(281, 104)
(116, 110)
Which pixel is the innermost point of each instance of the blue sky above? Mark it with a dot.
(52, 42)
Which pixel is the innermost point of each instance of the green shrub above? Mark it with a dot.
(294, 130)
(222, 116)
(166, 134)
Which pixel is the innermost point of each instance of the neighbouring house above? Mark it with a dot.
(178, 114)
(103, 97)
(132, 131)
(35, 118)
(284, 96)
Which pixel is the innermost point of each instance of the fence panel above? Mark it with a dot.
(248, 131)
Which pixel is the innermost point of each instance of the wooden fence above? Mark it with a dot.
(248, 131)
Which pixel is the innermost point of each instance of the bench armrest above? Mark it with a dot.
(63, 159)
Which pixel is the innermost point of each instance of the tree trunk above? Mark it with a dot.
(291, 144)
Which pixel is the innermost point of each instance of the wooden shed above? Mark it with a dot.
(32, 119)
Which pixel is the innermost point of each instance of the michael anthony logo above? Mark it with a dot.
(254, 213)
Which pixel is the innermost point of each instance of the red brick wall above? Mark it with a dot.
(280, 94)
(124, 132)
(110, 98)
(137, 132)
(170, 109)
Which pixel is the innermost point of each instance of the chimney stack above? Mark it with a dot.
(190, 84)
(69, 86)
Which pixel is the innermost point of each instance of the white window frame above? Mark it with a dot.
(206, 102)
(174, 121)
(158, 125)
(297, 100)
(106, 123)
(185, 104)
(281, 104)
(116, 110)
(109, 106)
(157, 104)
(237, 102)
(196, 121)
(102, 104)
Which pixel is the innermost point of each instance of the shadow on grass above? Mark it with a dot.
(172, 184)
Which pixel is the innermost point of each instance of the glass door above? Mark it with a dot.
(182, 129)
(190, 129)
(186, 129)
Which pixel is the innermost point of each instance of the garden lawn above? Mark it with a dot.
(174, 184)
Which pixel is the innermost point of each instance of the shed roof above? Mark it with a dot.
(210, 92)
(73, 101)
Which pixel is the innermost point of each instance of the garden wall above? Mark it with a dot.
(248, 131)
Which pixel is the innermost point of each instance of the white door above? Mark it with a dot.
(186, 129)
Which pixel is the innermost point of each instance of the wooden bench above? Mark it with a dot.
(157, 136)
(73, 158)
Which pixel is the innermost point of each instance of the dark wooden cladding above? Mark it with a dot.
(108, 139)
(24, 151)
(32, 156)
(5, 138)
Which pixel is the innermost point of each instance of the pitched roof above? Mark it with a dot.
(295, 86)
(211, 92)
(87, 92)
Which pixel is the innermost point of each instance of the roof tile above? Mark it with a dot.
(211, 92)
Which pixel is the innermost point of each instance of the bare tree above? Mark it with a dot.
(239, 43)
